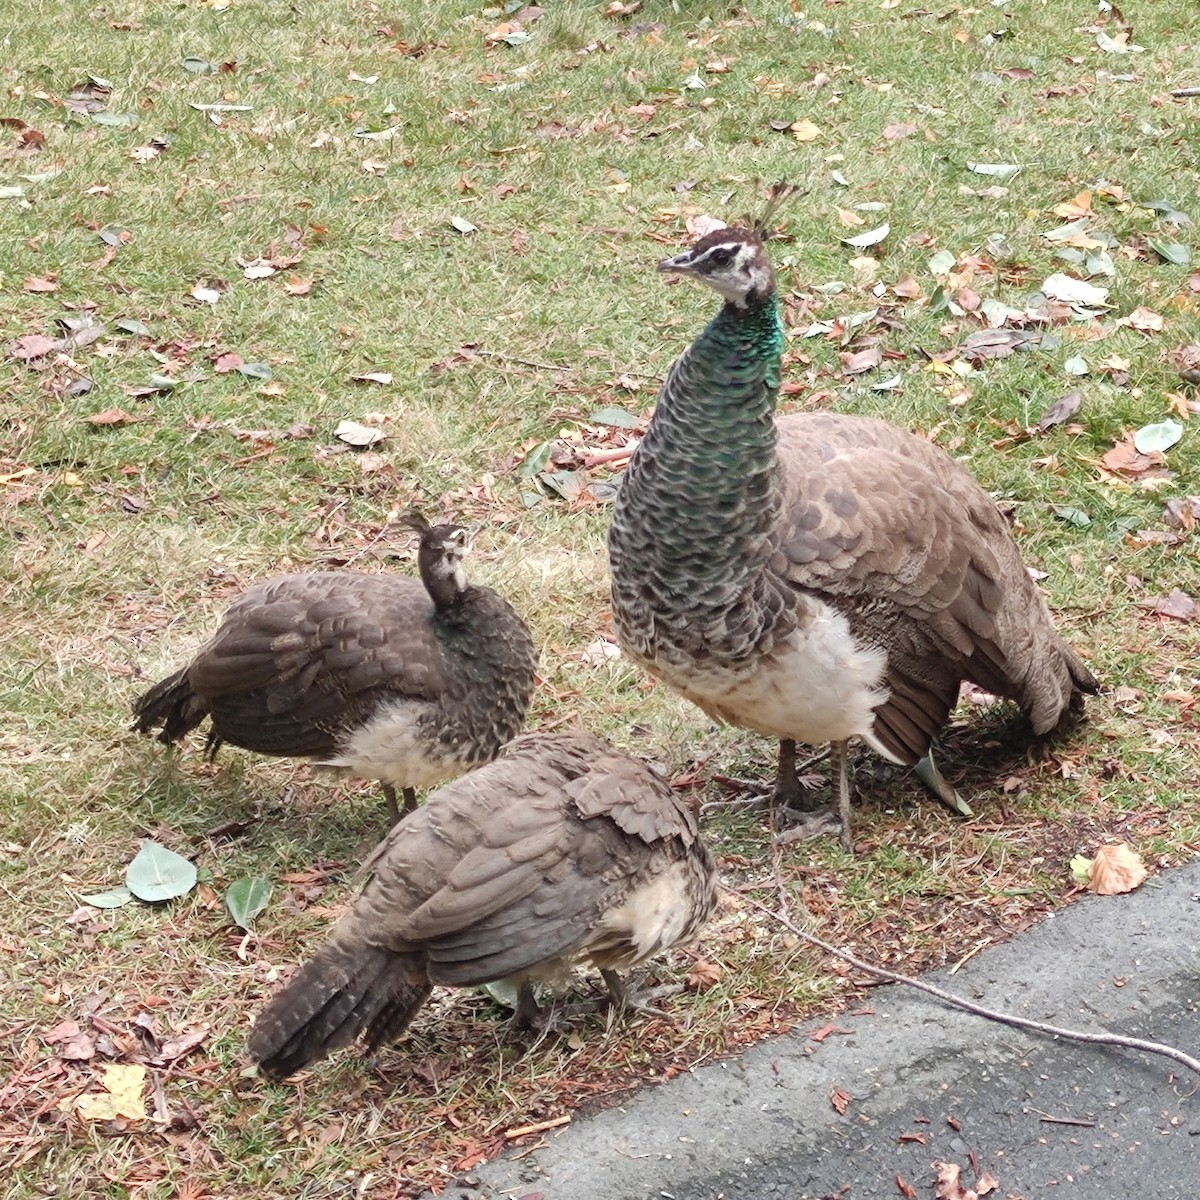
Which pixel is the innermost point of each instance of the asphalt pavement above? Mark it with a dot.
(926, 1084)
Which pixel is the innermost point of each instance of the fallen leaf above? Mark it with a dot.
(804, 131)
(987, 1182)
(840, 1100)
(862, 361)
(851, 220)
(1114, 870)
(1075, 291)
(123, 1096)
(1158, 437)
(40, 283)
(872, 237)
(899, 130)
(1061, 410)
(112, 416)
(354, 434)
(1080, 206)
(31, 346)
(1177, 604)
(905, 1188)
(384, 378)
(1144, 320)
(948, 1184)
(295, 286)
(224, 363)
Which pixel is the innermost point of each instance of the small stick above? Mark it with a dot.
(608, 456)
(520, 362)
(1045, 1120)
(1073, 1035)
(540, 1127)
(1188, 91)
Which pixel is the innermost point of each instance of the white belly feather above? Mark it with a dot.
(392, 749)
(818, 685)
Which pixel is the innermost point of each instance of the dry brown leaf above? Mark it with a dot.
(840, 1100)
(899, 130)
(40, 283)
(987, 1182)
(905, 1188)
(295, 286)
(1114, 870)
(1080, 206)
(704, 974)
(112, 416)
(948, 1184)
(1144, 320)
(850, 219)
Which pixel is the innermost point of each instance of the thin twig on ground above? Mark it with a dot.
(519, 362)
(989, 1014)
(1187, 91)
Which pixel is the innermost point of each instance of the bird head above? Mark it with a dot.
(441, 553)
(731, 261)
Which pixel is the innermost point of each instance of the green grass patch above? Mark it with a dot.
(391, 190)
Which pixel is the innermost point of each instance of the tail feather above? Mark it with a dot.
(342, 992)
(172, 705)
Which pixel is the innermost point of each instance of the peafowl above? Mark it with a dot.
(821, 576)
(405, 681)
(563, 850)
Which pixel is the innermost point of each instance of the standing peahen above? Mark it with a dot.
(818, 577)
(561, 851)
(407, 681)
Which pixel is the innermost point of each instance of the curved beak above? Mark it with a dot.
(681, 264)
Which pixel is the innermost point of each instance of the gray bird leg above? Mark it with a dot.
(787, 786)
(838, 755)
(410, 802)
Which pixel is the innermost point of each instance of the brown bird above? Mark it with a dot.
(817, 577)
(407, 681)
(563, 850)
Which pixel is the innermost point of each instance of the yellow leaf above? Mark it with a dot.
(123, 1095)
(850, 219)
(1115, 869)
(804, 131)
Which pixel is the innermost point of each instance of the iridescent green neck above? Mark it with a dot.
(698, 503)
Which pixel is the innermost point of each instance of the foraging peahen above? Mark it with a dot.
(817, 577)
(407, 681)
(561, 851)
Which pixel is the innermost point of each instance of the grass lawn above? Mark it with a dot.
(227, 227)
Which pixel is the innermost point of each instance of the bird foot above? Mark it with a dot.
(813, 825)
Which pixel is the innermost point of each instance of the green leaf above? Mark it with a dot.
(535, 461)
(131, 325)
(11, 191)
(1161, 436)
(463, 225)
(198, 66)
(1064, 233)
(942, 263)
(157, 873)
(1172, 252)
(1076, 365)
(872, 237)
(246, 898)
(113, 898)
(502, 992)
(255, 370)
(113, 235)
(618, 418)
(162, 383)
(999, 170)
(1073, 516)
(1081, 869)
(127, 120)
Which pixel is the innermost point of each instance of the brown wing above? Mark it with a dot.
(900, 538)
(501, 872)
(300, 658)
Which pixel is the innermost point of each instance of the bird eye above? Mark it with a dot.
(722, 256)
